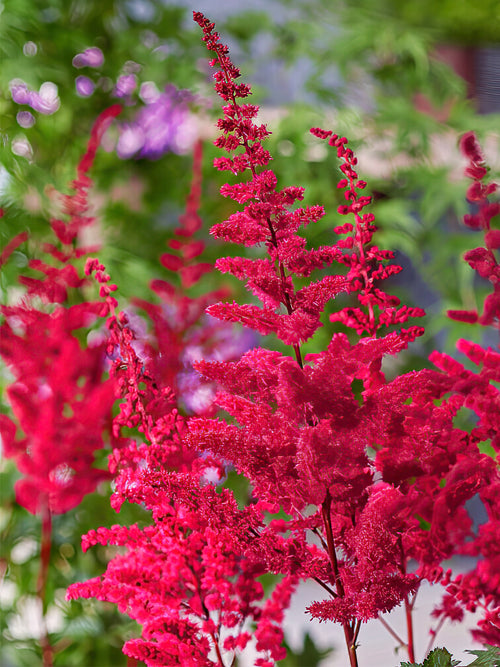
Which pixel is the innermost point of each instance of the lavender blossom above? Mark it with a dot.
(125, 85)
(92, 57)
(25, 119)
(159, 127)
(84, 86)
(46, 100)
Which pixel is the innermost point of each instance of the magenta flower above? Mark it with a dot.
(92, 57)
(59, 397)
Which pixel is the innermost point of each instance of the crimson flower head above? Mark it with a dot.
(60, 399)
(358, 482)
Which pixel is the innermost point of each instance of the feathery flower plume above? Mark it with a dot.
(382, 461)
(184, 578)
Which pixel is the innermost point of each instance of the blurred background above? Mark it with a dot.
(402, 80)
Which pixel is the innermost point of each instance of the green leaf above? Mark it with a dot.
(439, 657)
(309, 655)
(487, 658)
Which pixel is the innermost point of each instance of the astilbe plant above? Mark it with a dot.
(380, 477)
(479, 589)
(60, 397)
(359, 482)
(183, 578)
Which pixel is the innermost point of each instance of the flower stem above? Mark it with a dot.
(350, 629)
(434, 635)
(217, 650)
(392, 632)
(409, 626)
(46, 545)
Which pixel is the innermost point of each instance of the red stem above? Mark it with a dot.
(409, 626)
(350, 629)
(434, 635)
(217, 650)
(392, 632)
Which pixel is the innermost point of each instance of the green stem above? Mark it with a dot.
(41, 587)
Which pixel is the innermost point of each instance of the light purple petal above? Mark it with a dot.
(25, 119)
(131, 140)
(20, 93)
(84, 86)
(46, 101)
(125, 85)
(149, 92)
(92, 57)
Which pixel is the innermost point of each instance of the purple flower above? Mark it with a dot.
(92, 57)
(149, 92)
(131, 140)
(125, 85)
(84, 86)
(25, 119)
(45, 101)
(161, 126)
(20, 93)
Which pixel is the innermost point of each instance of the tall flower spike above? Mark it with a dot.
(62, 423)
(293, 315)
(185, 577)
(300, 433)
(477, 391)
(483, 260)
(366, 263)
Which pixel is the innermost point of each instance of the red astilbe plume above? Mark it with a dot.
(477, 391)
(59, 397)
(186, 578)
(482, 260)
(301, 434)
(181, 332)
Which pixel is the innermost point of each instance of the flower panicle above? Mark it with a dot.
(40, 343)
(366, 263)
(483, 259)
(268, 218)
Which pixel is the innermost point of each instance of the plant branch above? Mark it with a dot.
(349, 632)
(392, 632)
(409, 626)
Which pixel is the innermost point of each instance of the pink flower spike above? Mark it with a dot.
(470, 148)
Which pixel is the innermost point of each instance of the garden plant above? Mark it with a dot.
(245, 455)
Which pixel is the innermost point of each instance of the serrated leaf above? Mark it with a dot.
(439, 657)
(487, 658)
